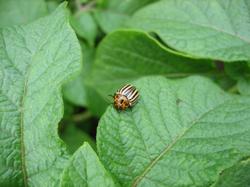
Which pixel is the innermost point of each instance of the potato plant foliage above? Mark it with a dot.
(60, 61)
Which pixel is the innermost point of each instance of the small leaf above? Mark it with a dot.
(75, 90)
(237, 70)
(240, 72)
(124, 56)
(74, 138)
(216, 29)
(13, 12)
(35, 60)
(85, 26)
(96, 103)
(85, 169)
(180, 133)
(114, 13)
(80, 91)
(52, 5)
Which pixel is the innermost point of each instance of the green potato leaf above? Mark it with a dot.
(84, 169)
(180, 133)
(35, 60)
(124, 56)
(16, 12)
(215, 29)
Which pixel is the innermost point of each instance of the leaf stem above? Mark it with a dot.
(81, 8)
(84, 116)
(233, 89)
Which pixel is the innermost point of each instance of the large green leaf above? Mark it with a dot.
(16, 12)
(180, 133)
(124, 56)
(34, 61)
(84, 169)
(216, 29)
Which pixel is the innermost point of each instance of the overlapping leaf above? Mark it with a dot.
(74, 137)
(84, 169)
(216, 29)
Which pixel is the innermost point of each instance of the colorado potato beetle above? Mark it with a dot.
(125, 97)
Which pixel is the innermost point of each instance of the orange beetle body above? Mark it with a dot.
(126, 97)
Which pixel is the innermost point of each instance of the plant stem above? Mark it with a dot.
(84, 116)
(81, 8)
(233, 89)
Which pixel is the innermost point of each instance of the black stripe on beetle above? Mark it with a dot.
(125, 97)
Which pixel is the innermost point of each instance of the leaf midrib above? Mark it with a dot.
(22, 147)
(23, 163)
(166, 150)
(22, 110)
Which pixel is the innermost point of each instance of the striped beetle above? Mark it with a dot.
(125, 97)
